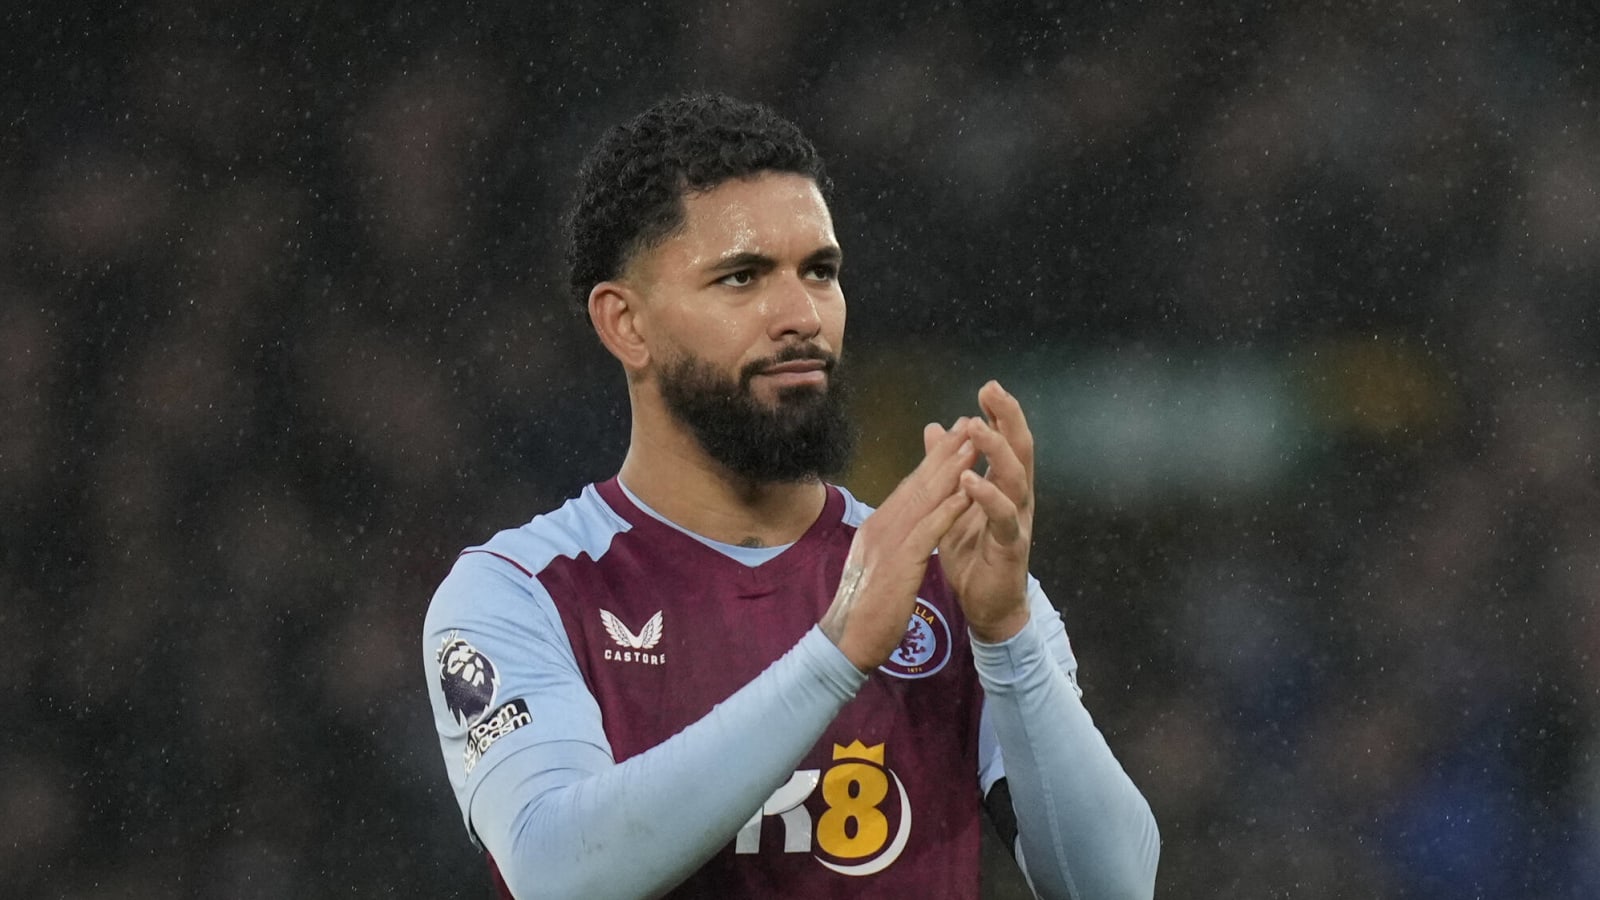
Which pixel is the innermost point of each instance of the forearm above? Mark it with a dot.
(1086, 831)
(639, 827)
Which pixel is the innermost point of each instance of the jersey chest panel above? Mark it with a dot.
(885, 804)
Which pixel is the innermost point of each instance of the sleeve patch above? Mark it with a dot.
(468, 678)
(502, 722)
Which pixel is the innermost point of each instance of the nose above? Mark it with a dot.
(792, 310)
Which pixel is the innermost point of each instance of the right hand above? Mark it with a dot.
(889, 555)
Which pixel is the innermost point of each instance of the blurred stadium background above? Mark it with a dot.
(1302, 298)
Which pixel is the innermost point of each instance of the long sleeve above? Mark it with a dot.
(1086, 832)
(639, 827)
(535, 774)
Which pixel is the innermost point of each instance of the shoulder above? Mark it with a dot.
(583, 526)
(855, 511)
(506, 568)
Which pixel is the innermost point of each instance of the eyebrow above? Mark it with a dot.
(762, 262)
(826, 254)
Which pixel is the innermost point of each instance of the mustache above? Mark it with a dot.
(791, 353)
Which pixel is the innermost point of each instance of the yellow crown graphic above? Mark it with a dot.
(858, 750)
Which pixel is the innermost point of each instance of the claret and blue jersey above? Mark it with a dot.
(623, 703)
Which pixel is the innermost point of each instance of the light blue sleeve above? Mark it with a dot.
(543, 795)
(1084, 829)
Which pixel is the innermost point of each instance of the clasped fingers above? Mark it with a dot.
(916, 515)
(1007, 474)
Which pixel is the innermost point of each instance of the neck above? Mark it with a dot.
(667, 469)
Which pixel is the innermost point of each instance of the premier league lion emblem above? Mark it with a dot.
(467, 678)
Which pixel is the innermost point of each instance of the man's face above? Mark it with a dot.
(745, 318)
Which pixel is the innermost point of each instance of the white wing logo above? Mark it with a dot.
(648, 636)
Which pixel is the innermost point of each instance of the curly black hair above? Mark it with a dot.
(632, 184)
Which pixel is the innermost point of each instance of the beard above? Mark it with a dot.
(805, 435)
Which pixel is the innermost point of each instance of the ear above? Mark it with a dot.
(614, 310)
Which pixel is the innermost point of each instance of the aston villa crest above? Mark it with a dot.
(926, 646)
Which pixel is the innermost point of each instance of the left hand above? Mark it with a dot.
(985, 554)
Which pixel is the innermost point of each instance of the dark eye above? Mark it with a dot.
(823, 272)
(741, 278)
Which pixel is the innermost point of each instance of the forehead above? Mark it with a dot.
(779, 215)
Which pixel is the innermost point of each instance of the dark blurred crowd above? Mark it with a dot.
(282, 328)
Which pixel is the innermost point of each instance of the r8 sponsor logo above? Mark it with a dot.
(860, 831)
